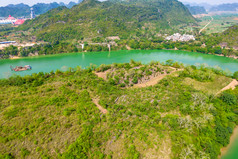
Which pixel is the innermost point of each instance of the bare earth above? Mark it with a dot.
(95, 101)
(15, 57)
(155, 80)
(102, 74)
(232, 85)
(151, 82)
(232, 139)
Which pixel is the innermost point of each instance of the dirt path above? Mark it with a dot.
(155, 80)
(151, 82)
(206, 25)
(128, 47)
(102, 74)
(232, 85)
(104, 111)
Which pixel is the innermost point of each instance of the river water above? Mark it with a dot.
(231, 151)
(63, 61)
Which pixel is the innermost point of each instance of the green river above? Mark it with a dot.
(64, 61)
(232, 149)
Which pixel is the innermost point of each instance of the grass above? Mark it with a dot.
(219, 24)
(209, 87)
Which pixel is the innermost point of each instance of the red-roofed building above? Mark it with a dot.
(19, 22)
(10, 18)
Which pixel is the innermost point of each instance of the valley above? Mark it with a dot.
(119, 79)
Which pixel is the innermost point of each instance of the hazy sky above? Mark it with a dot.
(32, 2)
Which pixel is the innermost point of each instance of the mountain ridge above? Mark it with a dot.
(21, 9)
(92, 18)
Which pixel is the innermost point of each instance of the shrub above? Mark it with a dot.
(135, 80)
(7, 156)
(235, 75)
(126, 82)
(24, 152)
(111, 81)
(229, 98)
(122, 85)
(68, 111)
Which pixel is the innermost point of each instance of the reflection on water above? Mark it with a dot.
(64, 68)
(7, 74)
(64, 61)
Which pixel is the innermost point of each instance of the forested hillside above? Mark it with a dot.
(230, 36)
(92, 18)
(15, 10)
(224, 43)
(76, 114)
(20, 10)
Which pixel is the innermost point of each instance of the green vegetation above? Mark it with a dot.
(15, 10)
(134, 73)
(52, 115)
(138, 24)
(203, 44)
(91, 19)
(219, 24)
(20, 10)
(230, 36)
(211, 87)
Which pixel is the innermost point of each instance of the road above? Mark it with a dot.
(206, 25)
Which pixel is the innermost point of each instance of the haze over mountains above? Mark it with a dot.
(196, 9)
(18, 10)
(212, 8)
(225, 7)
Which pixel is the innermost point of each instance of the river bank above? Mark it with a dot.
(63, 61)
(232, 56)
(233, 137)
(32, 55)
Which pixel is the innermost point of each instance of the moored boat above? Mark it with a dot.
(20, 68)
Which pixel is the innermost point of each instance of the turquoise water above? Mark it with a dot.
(232, 152)
(63, 61)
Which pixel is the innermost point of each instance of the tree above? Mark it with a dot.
(235, 75)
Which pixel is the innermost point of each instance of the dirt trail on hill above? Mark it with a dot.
(104, 111)
(151, 82)
(102, 74)
(232, 85)
(155, 80)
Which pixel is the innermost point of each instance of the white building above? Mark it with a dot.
(9, 20)
(179, 37)
(32, 13)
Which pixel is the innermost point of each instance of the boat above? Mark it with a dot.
(20, 68)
